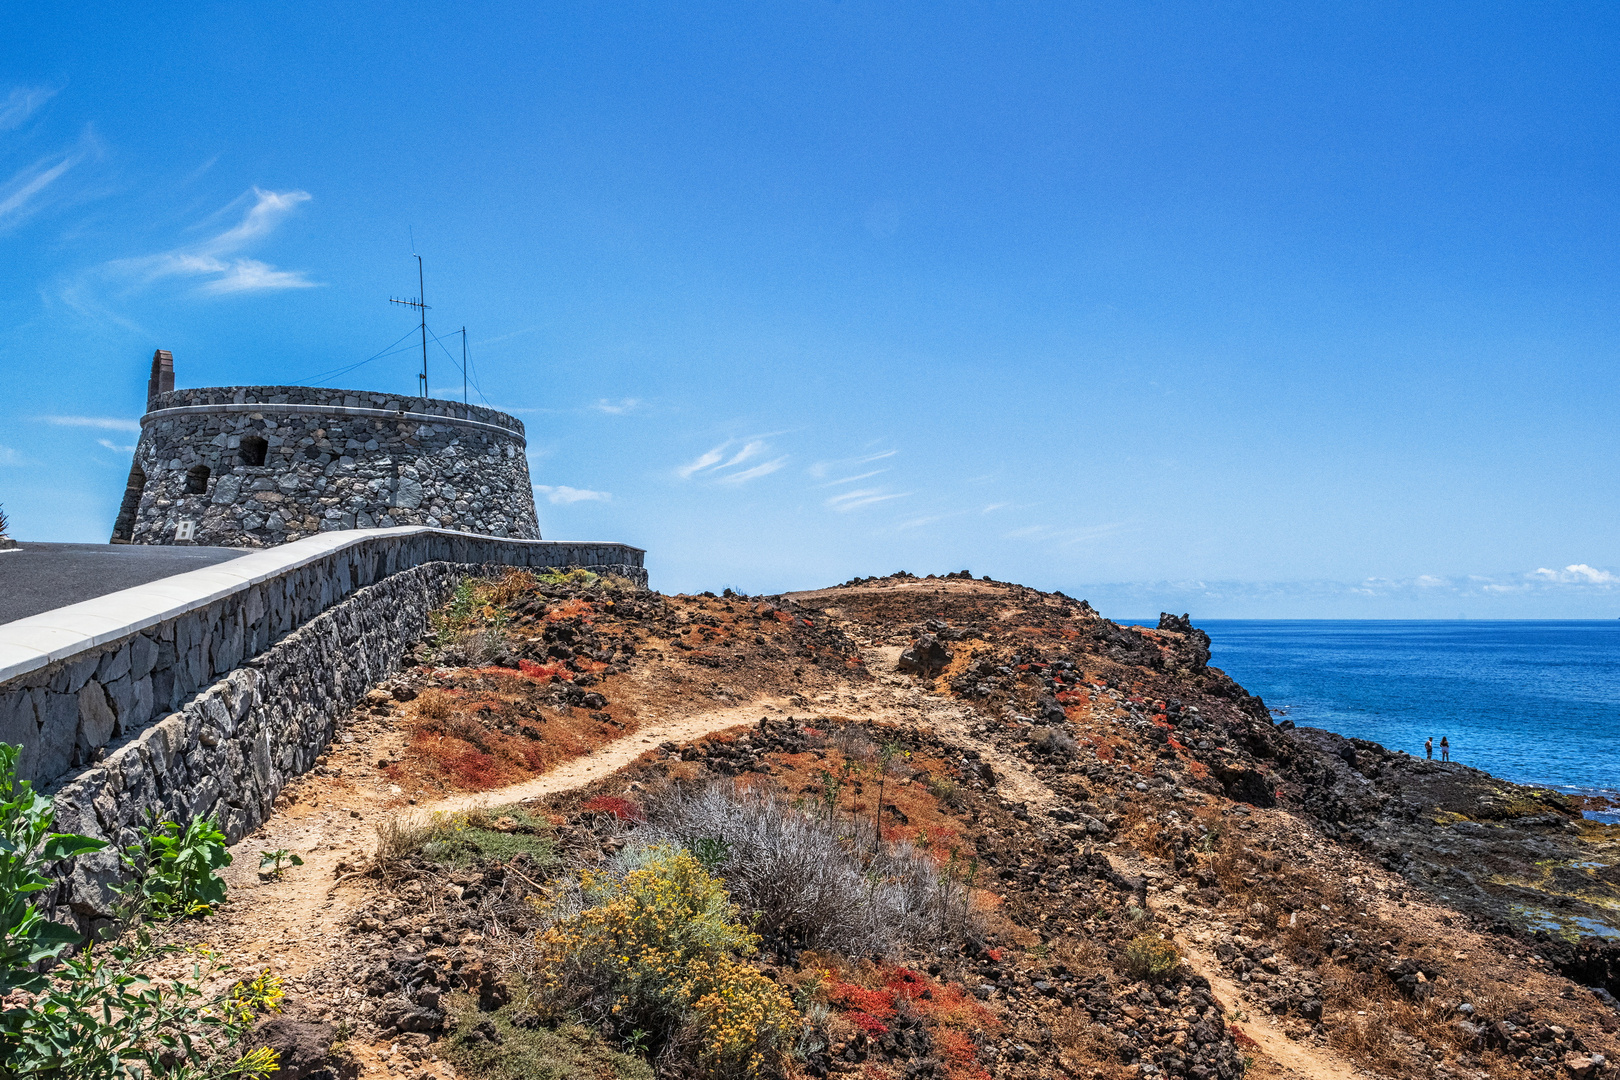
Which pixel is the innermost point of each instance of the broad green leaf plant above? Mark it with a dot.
(175, 865)
(93, 1013)
(27, 844)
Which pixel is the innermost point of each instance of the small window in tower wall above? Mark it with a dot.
(197, 481)
(253, 450)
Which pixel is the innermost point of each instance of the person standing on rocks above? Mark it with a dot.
(1428, 747)
(1445, 749)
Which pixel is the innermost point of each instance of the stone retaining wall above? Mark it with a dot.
(77, 679)
(246, 680)
(230, 750)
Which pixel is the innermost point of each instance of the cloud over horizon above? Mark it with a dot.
(1420, 596)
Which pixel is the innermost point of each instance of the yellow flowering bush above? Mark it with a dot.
(654, 951)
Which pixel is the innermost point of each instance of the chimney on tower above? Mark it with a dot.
(162, 380)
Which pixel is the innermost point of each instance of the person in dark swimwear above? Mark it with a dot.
(1445, 749)
(1428, 748)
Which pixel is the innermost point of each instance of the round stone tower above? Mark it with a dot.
(254, 466)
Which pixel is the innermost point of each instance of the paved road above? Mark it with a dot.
(39, 577)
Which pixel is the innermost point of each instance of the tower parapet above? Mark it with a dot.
(255, 466)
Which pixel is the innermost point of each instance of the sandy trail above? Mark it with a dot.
(607, 760)
(1284, 1058)
(1293, 1060)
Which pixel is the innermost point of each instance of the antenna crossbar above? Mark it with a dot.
(419, 303)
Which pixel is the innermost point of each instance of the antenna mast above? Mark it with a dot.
(420, 305)
(464, 369)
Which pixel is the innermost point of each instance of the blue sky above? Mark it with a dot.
(1241, 309)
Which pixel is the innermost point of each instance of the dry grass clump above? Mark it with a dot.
(947, 791)
(435, 705)
(399, 838)
(1054, 743)
(818, 880)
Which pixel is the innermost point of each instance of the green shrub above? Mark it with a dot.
(1150, 957)
(174, 866)
(27, 938)
(469, 844)
(508, 1044)
(652, 951)
(464, 839)
(947, 791)
(96, 1015)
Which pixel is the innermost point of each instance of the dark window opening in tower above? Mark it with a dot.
(124, 525)
(253, 450)
(197, 480)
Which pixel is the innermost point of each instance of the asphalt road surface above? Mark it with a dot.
(39, 577)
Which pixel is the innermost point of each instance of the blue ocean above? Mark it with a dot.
(1533, 702)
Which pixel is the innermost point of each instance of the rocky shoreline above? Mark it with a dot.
(1521, 860)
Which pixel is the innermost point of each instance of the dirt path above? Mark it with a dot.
(1292, 1060)
(293, 925)
(1281, 1057)
(610, 758)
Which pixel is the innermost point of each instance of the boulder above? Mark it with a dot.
(301, 1047)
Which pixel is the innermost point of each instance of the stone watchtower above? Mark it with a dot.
(254, 466)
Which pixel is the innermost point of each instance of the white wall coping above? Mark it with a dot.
(29, 644)
(332, 410)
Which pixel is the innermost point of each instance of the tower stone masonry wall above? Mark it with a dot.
(256, 466)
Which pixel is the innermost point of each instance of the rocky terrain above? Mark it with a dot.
(1144, 875)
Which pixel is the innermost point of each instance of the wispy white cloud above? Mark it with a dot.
(850, 500)
(714, 464)
(755, 473)
(250, 275)
(215, 260)
(8, 456)
(1070, 537)
(21, 103)
(22, 193)
(703, 461)
(109, 444)
(927, 519)
(565, 495)
(617, 408)
(1061, 536)
(853, 479)
(994, 507)
(105, 423)
(752, 449)
(198, 173)
(498, 338)
(822, 469)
